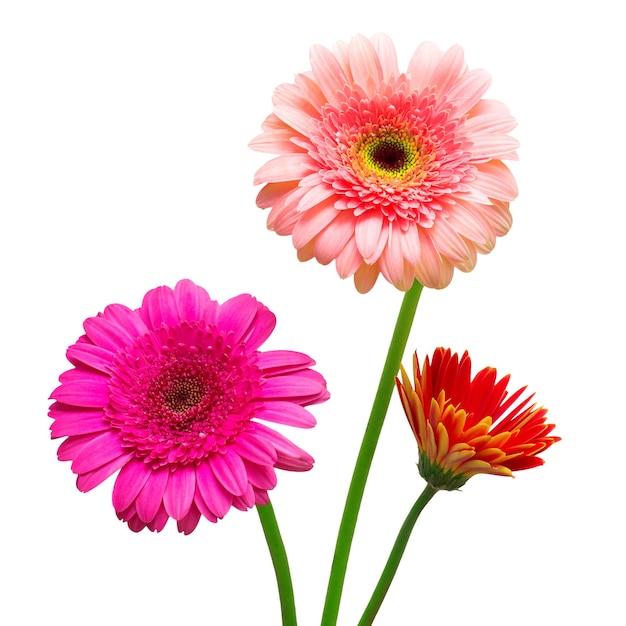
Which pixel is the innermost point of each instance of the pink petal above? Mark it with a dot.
(311, 222)
(129, 482)
(290, 456)
(448, 242)
(275, 142)
(288, 413)
(82, 388)
(349, 259)
(364, 62)
(178, 496)
(260, 329)
(261, 476)
(115, 329)
(198, 500)
(365, 277)
(296, 118)
(316, 195)
(386, 52)
(285, 168)
(100, 450)
(157, 524)
(371, 235)
(72, 421)
(237, 315)
(327, 72)
(69, 448)
(296, 387)
(230, 471)
(448, 70)
(150, 498)
(468, 90)
(84, 353)
(423, 64)
(255, 449)
(495, 180)
(492, 146)
(189, 523)
(87, 481)
(216, 497)
(159, 307)
(194, 303)
(274, 192)
(278, 362)
(331, 241)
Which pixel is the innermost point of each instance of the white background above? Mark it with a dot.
(124, 165)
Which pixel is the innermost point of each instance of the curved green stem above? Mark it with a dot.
(394, 557)
(281, 564)
(366, 454)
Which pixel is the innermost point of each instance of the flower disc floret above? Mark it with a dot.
(174, 395)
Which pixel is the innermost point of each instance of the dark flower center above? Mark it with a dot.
(183, 394)
(389, 154)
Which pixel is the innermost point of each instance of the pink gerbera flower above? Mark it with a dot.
(388, 172)
(171, 395)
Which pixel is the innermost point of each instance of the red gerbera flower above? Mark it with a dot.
(466, 426)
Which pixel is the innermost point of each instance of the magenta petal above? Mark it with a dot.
(179, 492)
(114, 329)
(82, 388)
(274, 362)
(261, 476)
(159, 307)
(69, 448)
(128, 484)
(213, 493)
(261, 328)
(246, 500)
(188, 523)
(255, 449)
(293, 387)
(237, 314)
(70, 420)
(150, 498)
(289, 413)
(83, 353)
(194, 303)
(92, 479)
(230, 471)
(290, 456)
(204, 509)
(100, 450)
(160, 519)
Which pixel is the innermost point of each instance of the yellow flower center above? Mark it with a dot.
(388, 155)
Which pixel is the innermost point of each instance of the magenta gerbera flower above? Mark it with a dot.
(388, 172)
(174, 395)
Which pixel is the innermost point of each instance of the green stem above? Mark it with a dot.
(281, 564)
(394, 557)
(366, 454)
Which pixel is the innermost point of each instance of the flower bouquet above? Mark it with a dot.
(385, 172)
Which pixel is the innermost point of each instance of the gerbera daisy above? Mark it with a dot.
(466, 426)
(172, 394)
(388, 172)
